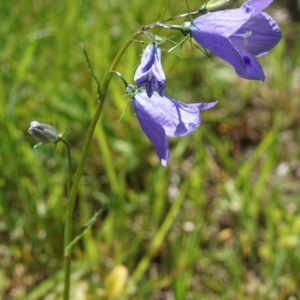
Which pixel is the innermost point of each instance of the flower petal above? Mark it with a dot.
(160, 117)
(265, 35)
(150, 72)
(151, 127)
(224, 22)
(158, 74)
(181, 119)
(238, 35)
(252, 69)
(257, 5)
(148, 57)
(177, 118)
(223, 48)
(205, 105)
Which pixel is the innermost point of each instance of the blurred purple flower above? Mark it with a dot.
(160, 117)
(150, 73)
(238, 35)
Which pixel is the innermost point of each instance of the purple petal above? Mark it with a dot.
(222, 47)
(175, 117)
(205, 105)
(150, 85)
(181, 119)
(157, 69)
(238, 35)
(257, 5)
(158, 73)
(252, 68)
(147, 59)
(224, 22)
(265, 35)
(152, 129)
(160, 117)
(150, 73)
(141, 76)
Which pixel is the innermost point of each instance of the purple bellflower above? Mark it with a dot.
(162, 117)
(238, 35)
(150, 73)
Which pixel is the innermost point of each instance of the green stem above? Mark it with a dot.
(83, 158)
(67, 260)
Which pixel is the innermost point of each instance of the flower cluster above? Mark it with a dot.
(159, 115)
(235, 35)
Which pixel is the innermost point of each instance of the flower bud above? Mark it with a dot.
(43, 133)
(213, 5)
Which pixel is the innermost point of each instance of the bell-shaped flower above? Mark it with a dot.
(43, 133)
(238, 35)
(150, 73)
(162, 117)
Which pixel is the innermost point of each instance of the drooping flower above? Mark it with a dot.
(150, 73)
(238, 35)
(162, 117)
(43, 132)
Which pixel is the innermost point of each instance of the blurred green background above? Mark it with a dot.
(220, 222)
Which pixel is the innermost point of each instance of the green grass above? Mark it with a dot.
(220, 222)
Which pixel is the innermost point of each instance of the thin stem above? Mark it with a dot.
(90, 68)
(188, 8)
(121, 77)
(179, 44)
(72, 196)
(69, 165)
(183, 15)
(67, 259)
(155, 24)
